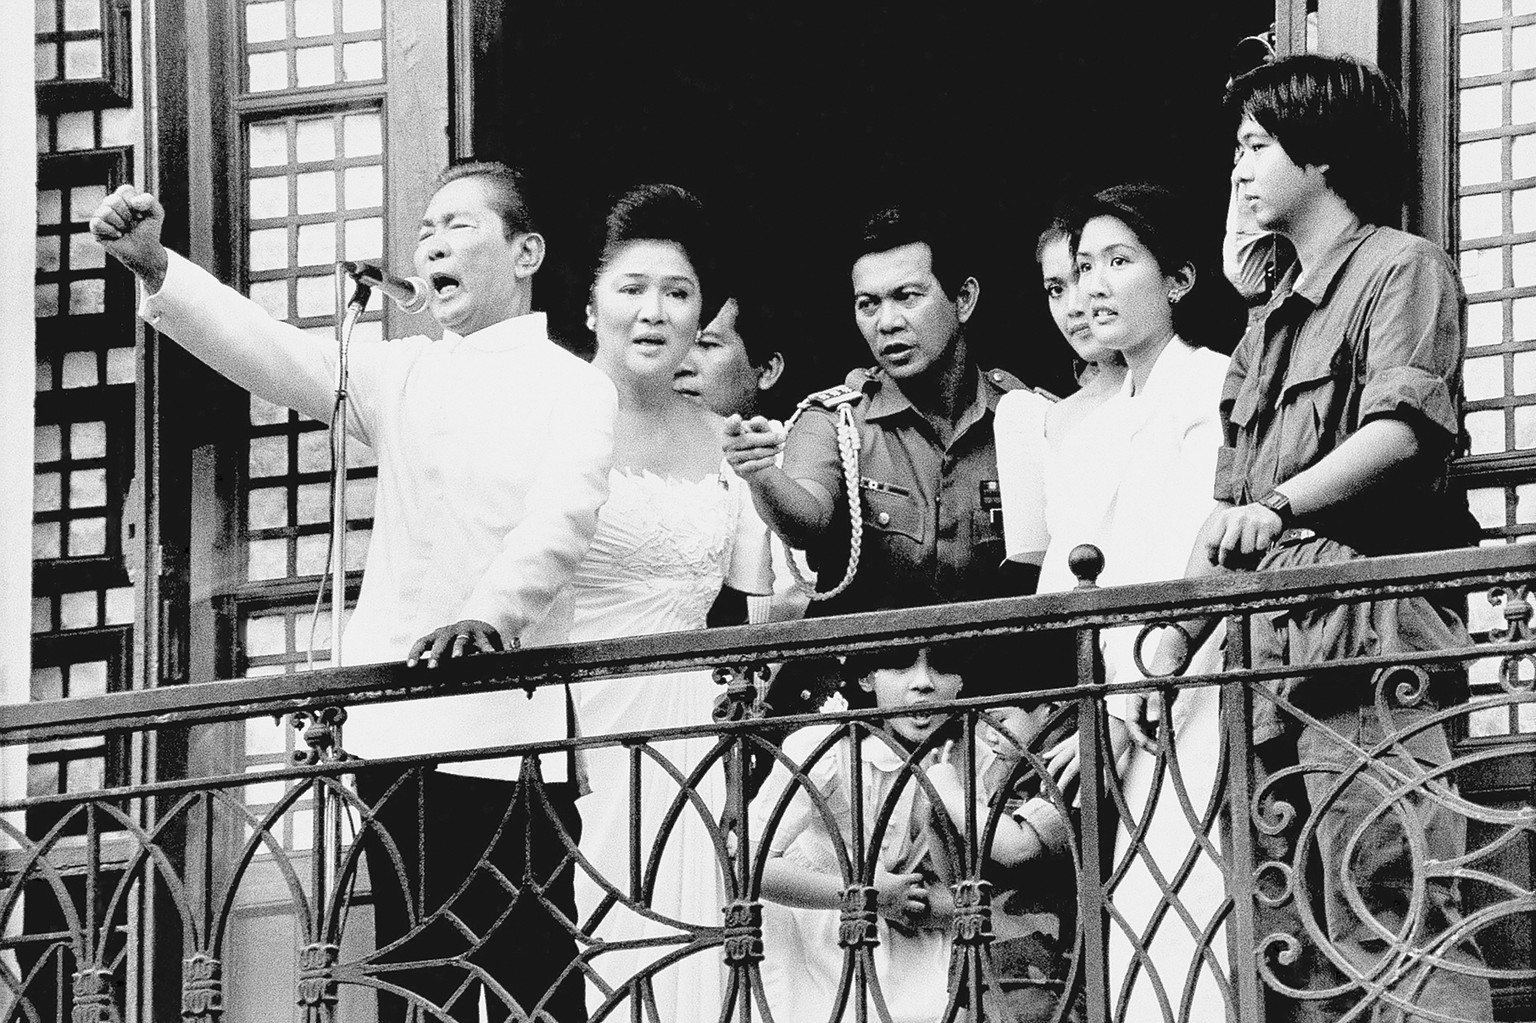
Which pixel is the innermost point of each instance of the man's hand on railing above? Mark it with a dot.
(457, 640)
(1235, 537)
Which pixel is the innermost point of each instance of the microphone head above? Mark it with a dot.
(421, 293)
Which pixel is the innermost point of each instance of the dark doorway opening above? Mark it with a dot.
(795, 120)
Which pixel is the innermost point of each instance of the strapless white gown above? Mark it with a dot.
(663, 549)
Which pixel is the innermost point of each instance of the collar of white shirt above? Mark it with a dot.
(504, 336)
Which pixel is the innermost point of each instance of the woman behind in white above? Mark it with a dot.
(1133, 477)
(677, 526)
(1029, 425)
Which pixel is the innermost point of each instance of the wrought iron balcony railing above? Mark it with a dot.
(1201, 873)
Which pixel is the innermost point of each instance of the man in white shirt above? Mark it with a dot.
(494, 446)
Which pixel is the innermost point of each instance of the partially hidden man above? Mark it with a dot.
(494, 446)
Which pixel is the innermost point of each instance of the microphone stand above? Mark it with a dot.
(344, 325)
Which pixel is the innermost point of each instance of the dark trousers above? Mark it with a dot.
(1371, 878)
(472, 886)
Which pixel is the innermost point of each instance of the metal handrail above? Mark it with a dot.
(532, 667)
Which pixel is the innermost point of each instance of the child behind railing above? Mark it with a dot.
(1026, 967)
(804, 882)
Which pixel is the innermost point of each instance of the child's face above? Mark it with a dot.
(918, 683)
(1018, 728)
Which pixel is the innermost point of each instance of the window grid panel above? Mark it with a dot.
(72, 492)
(301, 214)
(74, 278)
(301, 44)
(1495, 218)
(77, 665)
(276, 641)
(70, 46)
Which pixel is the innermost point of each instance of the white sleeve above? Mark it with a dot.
(1019, 425)
(802, 812)
(239, 340)
(751, 567)
(541, 553)
(1185, 503)
(1247, 250)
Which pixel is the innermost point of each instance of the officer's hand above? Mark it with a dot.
(457, 640)
(1235, 537)
(753, 445)
(127, 224)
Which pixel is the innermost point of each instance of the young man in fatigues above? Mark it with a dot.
(1341, 411)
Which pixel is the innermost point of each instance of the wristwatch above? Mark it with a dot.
(1280, 505)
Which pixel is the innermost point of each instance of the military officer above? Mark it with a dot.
(910, 439)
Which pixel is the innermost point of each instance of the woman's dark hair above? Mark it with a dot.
(1337, 111)
(665, 213)
(1066, 223)
(1161, 221)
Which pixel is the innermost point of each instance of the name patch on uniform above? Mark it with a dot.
(865, 483)
(991, 497)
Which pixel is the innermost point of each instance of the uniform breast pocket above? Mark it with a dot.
(891, 509)
(1308, 418)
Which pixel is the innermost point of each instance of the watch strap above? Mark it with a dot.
(1278, 503)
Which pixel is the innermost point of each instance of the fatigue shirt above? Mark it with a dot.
(933, 527)
(1373, 329)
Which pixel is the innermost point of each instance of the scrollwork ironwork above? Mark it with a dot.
(858, 926)
(94, 1001)
(743, 932)
(321, 730)
(1517, 672)
(317, 981)
(207, 848)
(202, 988)
(973, 912)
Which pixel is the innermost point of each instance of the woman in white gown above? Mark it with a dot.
(677, 526)
(1133, 476)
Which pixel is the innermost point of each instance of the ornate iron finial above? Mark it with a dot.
(1086, 562)
(321, 728)
(1517, 672)
(317, 985)
(202, 988)
(858, 927)
(93, 997)
(744, 932)
(743, 696)
(973, 911)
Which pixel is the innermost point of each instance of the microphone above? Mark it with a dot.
(409, 293)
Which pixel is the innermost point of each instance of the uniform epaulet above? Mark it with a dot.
(1047, 395)
(1003, 380)
(832, 397)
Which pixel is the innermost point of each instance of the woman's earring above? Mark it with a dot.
(1174, 294)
